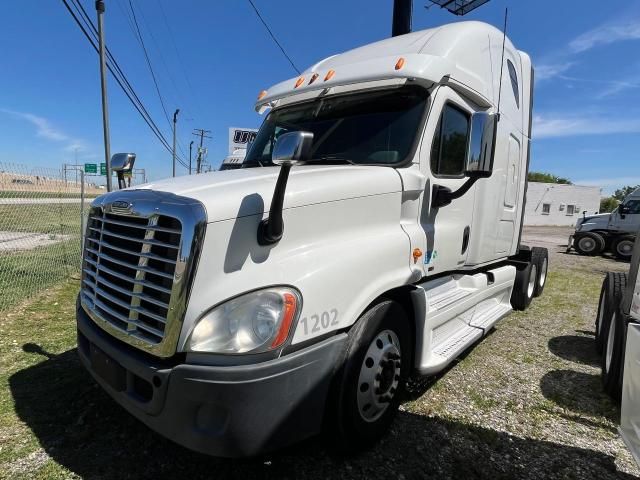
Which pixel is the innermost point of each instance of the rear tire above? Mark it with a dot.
(369, 385)
(589, 243)
(622, 247)
(613, 355)
(613, 287)
(524, 286)
(540, 258)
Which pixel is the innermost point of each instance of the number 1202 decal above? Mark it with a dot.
(318, 322)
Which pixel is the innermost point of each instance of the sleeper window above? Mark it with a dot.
(450, 143)
(514, 82)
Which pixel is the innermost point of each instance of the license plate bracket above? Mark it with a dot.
(108, 369)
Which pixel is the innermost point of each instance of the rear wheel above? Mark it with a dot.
(589, 243)
(613, 355)
(540, 258)
(611, 293)
(367, 389)
(622, 247)
(524, 286)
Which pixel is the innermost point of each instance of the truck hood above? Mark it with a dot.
(248, 191)
(591, 222)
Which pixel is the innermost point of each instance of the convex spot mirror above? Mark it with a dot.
(292, 148)
(484, 127)
(122, 162)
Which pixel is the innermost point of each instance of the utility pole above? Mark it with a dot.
(175, 119)
(202, 134)
(190, 147)
(103, 83)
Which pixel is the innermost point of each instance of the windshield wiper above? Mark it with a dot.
(333, 159)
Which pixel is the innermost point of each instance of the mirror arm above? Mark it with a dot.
(443, 196)
(271, 228)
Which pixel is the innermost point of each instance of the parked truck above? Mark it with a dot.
(618, 339)
(615, 231)
(372, 234)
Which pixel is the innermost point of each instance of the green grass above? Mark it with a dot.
(62, 218)
(25, 273)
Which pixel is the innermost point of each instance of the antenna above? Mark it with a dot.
(504, 38)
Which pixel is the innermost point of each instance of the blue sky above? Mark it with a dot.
(213, 57)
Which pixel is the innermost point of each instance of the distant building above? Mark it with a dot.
(556, 204)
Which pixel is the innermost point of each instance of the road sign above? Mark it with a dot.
(90, 168)
(103, 169)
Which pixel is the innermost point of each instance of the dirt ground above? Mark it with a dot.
(525, 402)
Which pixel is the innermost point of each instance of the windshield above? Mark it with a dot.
(365, 128)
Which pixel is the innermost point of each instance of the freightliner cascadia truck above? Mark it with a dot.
(371, 236)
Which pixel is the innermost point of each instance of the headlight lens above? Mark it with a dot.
(255, 322)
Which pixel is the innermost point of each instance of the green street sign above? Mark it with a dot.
(103, 169)
(90, 168)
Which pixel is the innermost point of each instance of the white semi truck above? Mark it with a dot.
(372, 234)
(615, 231)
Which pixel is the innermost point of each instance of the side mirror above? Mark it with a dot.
(292, 148)
(122, 162)
(484, 127)
(623, 210)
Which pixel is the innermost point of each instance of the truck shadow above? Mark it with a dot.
(575, 348)
(81, 428)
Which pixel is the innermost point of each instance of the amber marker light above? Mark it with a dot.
(262, 94)
(329, 75)
(313, 78)
(299, 82)
(290, 307)
(417, 253)
(400, 63)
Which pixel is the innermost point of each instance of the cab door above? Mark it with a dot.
(627, 217)
(443, 156)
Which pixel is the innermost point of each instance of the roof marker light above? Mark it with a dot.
(262, 94)
(299, 82)
(313, 78)
(329, 75)
(400, 63)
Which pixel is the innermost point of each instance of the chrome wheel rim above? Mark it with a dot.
(610, 339)
(587, 244)
(379, 376)
(543, 273)
(532, 281)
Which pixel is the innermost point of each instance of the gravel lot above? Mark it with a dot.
(524, 403)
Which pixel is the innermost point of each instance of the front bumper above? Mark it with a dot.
(229, 411)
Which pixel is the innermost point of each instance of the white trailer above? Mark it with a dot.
(372, 234)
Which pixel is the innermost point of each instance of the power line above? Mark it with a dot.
(146, 56)
(129, 92)
(255, 9)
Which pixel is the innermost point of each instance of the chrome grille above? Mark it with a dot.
(136, 265)
(129, 265)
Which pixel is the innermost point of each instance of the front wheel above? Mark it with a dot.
(367, 389)
(622, 247)
(589, 243)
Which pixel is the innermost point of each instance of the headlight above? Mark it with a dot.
(255, 322)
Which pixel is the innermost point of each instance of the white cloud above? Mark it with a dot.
(549, 126)
(606, 34)
(609, 185)
(45, 129)
(551, 70)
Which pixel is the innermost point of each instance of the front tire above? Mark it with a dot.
(589, 243)
(368, 387)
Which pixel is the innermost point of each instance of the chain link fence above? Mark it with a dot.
(40, 228)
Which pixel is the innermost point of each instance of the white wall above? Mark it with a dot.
(559, 198)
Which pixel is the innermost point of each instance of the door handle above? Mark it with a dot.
(465, 239)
